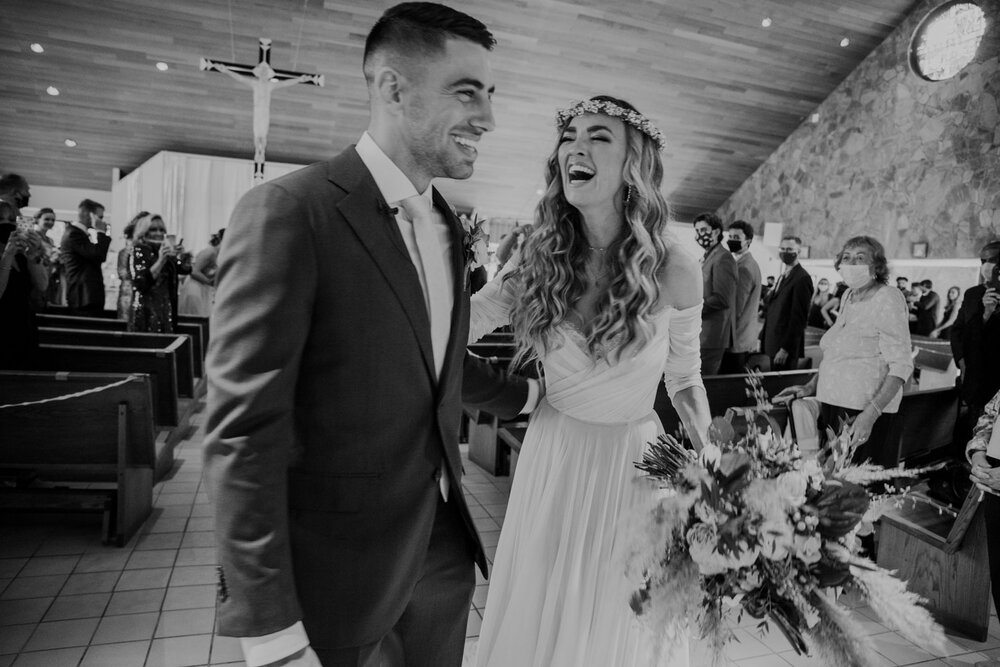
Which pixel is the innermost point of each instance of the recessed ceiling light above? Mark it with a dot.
(814, 118)
(163, 67)
(845, 42)
(52, 90)
(37, 48)
(766, 22)
(70, 143)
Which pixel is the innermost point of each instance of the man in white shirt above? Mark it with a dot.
(337, 372)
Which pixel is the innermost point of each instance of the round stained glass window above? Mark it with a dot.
(947, 40)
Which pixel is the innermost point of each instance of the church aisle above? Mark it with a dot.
(68, 600)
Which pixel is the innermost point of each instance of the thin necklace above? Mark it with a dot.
(593, 249)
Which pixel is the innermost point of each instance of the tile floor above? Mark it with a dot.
(67, 600)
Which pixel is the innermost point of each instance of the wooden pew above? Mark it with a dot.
(924, 424)
(187, 384)
(942, 556)
(196, 330)
(160, 366)
(105, 438)
(728, 391)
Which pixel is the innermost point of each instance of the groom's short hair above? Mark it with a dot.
(419, 29)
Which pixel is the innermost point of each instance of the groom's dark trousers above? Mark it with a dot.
(328, 428)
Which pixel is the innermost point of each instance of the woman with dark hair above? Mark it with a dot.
(155, 266)
(45, 220)
(866, 354)
(125, 288)
(817, 314)
(951, 306)
(609, 305)
(22, 274)
(198, 291)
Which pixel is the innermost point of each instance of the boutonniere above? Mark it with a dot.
(476, 244)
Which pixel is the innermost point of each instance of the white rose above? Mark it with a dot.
(812, 469)
(793, 486)
(775, 539)
(711, 455)
(481, 253)
(807, 548)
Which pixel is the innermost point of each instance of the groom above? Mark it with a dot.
(337, 370)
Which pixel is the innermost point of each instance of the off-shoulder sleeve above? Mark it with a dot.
(683, 367)
(894, 335)
(490, 306)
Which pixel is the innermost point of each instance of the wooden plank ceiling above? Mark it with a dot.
(725, 90)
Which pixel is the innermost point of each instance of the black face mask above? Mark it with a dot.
(735, 246)
(21, 200)
(704, 239)
(788, 257)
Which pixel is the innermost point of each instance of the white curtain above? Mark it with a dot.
(195, 194)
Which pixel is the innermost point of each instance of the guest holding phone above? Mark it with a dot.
(155, 268)
(975, 333)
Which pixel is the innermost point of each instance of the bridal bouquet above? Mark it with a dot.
(751, 526)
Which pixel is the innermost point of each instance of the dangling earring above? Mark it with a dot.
(628, 195)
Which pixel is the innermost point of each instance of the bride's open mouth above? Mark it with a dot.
(578, 174)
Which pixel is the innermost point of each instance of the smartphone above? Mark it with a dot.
(994, 281)
(170, 240)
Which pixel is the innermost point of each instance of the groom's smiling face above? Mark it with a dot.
(448, 107)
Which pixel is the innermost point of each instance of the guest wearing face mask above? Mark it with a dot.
(719, 277)
(975, 335)
(783, 337)
(822, 296)
(747, 299)
(866, 354)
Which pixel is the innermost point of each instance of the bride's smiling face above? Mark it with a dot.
(591, 159)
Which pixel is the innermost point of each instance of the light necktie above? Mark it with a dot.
(417, 210)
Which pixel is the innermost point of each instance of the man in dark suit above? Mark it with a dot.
(787, 312)
(719, 276)
(975, 337)
(82, 259)
(926, 310)
(337, 371)
(746, 330)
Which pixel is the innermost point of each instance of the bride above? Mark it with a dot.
(609, 306)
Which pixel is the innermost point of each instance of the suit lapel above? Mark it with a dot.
(459, 310)
(369, 216)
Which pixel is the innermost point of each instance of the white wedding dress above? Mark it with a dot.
(558, 595)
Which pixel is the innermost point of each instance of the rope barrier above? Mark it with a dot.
(67, 397)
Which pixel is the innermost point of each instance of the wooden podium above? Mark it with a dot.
(942, 557)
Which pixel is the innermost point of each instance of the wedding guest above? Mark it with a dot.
(817, 317)
(747, 299)
(926, 309)
(975, 333)
(609, 306)
(15, 190)
(765, 297)
(831, 309)
(45, 220)
(21, 273)
(155, 266)
(903, 285)
(82, 258)
(983, 452)
(125, 287)
(783, 337)
(720, 279)
(866, 354)
(950, 313)
(198, 290)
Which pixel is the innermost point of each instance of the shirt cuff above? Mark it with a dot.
(259, 651)
(534, 394)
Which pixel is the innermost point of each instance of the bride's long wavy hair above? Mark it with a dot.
(552, 273)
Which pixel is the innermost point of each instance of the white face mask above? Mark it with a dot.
(855, 275)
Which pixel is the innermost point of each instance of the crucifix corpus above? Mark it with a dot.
(263, 79)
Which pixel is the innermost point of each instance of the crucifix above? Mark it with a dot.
(263, 79)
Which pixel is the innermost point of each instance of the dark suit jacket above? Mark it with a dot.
(326, 428)
(787, 313)
(978, 344)
(81, 261)
(747, 304)
(718, 319)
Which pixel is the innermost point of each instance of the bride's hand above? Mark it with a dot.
(789, 394)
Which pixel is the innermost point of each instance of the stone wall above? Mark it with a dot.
(892, 156)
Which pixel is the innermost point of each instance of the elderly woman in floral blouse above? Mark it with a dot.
(983, 452)
(866, 354)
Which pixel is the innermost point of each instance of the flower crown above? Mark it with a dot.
(609, 108)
